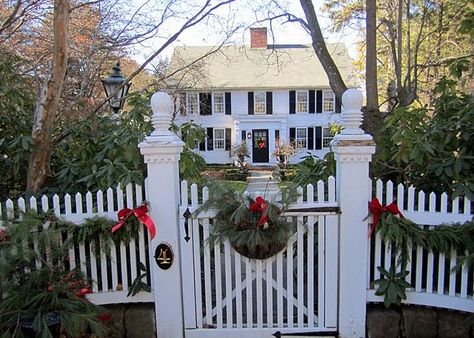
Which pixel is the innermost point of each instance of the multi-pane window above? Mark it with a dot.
(327, 137)
(301, 137)
(219, 138)
(192, 103)
(260, 102)
(328, 101)
(218, 103)
(301, 102)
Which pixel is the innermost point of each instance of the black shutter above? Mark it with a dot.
(319, 101)
(250, 101)
(311, 101)
(292, 101)
(310, 143)
(243, 135)
(210, 139)
(277, 135)
(319, 137)
(228, 103)
(205, 103)
(182, 104)
(292, 135)
(228, 138)
(269, 103)
(338, 104)
(202, 146)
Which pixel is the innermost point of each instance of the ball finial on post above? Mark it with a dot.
(162, 107)
(351, 112)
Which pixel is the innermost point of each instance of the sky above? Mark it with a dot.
(241, 13)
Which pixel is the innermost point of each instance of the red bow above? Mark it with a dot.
(140, 213)
(376, 209)
(260, 206)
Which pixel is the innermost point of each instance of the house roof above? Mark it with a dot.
(241, 67)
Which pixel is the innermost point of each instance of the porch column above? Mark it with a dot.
(162, 150)
(353, 151)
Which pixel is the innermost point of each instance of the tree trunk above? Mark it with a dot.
(335, 80)
(46, 109)
(372, 119)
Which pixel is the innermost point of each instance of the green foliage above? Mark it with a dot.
(35, 285)
(313, 169)
(431, 150)
(16, 119)
(100, 151)
(400, 232)
(235, 222)
(191, 164)
(392, 286)
(138, 285)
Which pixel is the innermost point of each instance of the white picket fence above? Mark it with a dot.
(433, 281)
(115, 269)
(431, 276)
(295, 289)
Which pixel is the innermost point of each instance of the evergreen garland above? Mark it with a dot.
(37, 293)
(400, 232)
(236, 222)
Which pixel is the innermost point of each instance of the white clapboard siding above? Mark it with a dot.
(432, 276)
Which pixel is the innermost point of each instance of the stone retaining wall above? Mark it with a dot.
(132, 320)
(411, 321)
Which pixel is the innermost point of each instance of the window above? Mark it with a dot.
(192, 103)
(301, 136)
(219, 139)
(328, 101)
(218, 103)
(327, 137)
(260, 102)
(302, 102)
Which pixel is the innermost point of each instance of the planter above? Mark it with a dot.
(263, 251)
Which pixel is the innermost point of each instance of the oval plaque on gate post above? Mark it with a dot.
(164, 256)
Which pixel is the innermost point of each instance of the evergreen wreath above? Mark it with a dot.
(256, 228)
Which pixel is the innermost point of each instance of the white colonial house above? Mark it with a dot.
(259, 94)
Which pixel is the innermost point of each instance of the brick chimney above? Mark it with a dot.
(258, 37)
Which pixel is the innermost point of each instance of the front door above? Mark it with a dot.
(260, 146)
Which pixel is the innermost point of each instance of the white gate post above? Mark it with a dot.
(162, 150)
(352, 151)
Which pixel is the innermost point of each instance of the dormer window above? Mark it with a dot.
(328, 101)
(302, 102)
(192, 103)
(260, 103)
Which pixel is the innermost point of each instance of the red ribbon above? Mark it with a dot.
(260, 206)
(376, 209)
(140, 213)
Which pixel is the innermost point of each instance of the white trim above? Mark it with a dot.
(296, 101)
(196, 112)
(431, 299)
(215, 139)
(305, 138)
(255, 103)
(222, 112)
(326, 92)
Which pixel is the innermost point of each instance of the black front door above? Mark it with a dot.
(260, 146)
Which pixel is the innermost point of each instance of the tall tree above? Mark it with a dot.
(46, 108)
(335, 80)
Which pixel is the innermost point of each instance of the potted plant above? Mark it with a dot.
(240, 152)
(256, 228)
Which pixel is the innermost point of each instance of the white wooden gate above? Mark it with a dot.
(229, 295)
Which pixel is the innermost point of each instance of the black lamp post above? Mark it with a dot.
(112, 84)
